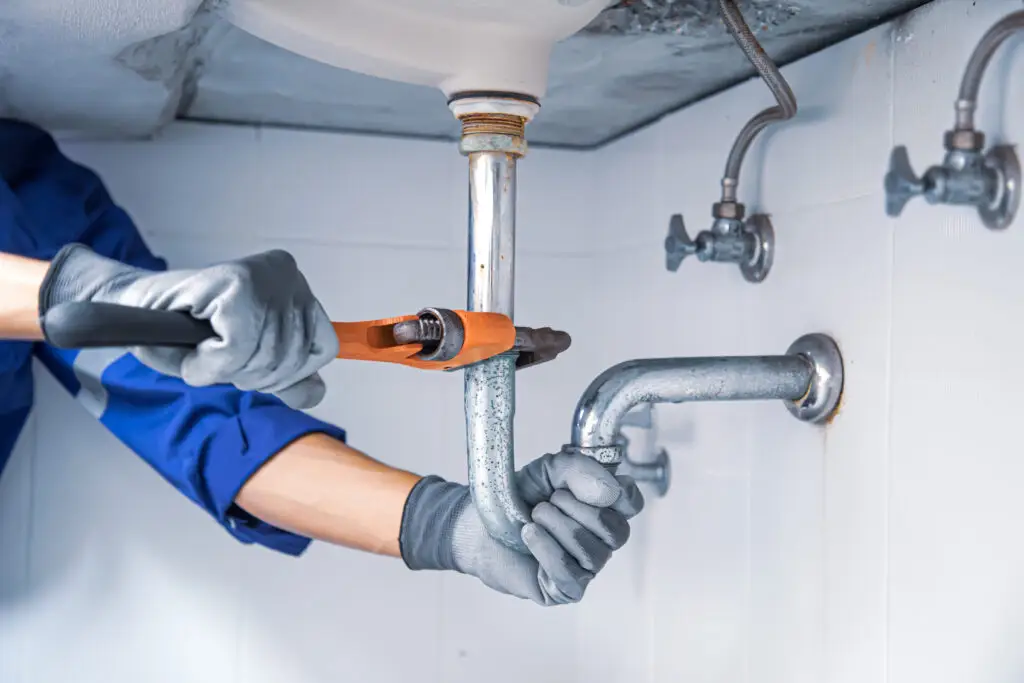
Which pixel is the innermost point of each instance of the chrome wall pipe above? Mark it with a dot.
(808, 378)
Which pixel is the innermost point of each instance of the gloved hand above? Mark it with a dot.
(580, 514)
(272, 333)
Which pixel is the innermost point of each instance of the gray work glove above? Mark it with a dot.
(272, 334)
(580, 514)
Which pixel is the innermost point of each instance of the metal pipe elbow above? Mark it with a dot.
(599, 412)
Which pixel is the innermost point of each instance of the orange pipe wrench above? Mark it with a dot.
(433, 339)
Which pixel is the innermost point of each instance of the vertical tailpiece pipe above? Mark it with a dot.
(493, 139)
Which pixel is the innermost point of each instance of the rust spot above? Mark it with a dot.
(838, 409)
(869, 52)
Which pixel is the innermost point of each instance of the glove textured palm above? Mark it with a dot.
(580, 516)
(272, 334)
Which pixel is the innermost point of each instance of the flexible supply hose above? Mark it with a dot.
(785, 110)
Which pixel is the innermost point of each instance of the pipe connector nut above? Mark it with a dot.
(964, 140)
(606, 455)
(732, 210)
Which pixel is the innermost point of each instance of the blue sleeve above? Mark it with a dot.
(206, 442)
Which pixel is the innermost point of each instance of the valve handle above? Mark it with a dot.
(901, 182)
(678, 244)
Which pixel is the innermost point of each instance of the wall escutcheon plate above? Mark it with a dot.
(821, 401)
(760, 226)
(1004, 159)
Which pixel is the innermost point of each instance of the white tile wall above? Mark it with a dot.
(16, 599)
(882, 549)
(955, 556)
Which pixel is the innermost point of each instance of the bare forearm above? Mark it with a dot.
(321, 488)
(20, 279)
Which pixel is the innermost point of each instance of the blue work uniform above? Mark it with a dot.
(207, 441)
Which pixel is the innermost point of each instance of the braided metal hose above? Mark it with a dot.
(979, 61)
(766, 68)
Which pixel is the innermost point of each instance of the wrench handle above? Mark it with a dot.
(87, 325)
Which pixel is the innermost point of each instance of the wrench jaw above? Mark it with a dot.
(535, 346)
(442, 335)
(539, 345)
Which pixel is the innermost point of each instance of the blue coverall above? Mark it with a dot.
(205, 441)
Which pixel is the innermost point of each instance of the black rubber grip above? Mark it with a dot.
(78, 325)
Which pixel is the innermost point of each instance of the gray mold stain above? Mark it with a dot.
(636, 62)
(176, 58)
(686, 17)
(664, 55)
(162, 58)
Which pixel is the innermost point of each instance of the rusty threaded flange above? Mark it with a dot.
(493, 124)
(491, 132)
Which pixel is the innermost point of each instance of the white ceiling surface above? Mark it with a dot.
(124, 68)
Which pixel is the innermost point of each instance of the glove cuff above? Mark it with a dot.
(55, 282)
(77, 273)
(428, 524)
